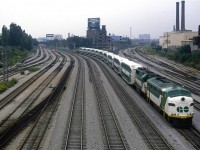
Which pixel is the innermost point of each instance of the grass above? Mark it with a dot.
(4, 85)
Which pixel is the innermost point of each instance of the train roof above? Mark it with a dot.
(121, 59)
(111, 54)
(101, 51)
(170, 88)
(132, 64)
(161, 83)
(105, 52)
(145, 71)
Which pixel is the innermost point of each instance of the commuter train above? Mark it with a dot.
(175, 102)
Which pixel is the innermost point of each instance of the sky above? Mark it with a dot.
(41, 17)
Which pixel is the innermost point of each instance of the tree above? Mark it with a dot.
(5, 36)
(184, 53)
(15, 35)
(35, 42)
(79, 42)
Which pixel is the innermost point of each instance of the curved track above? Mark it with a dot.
(114, 136)
(152, 137)
(33, 113)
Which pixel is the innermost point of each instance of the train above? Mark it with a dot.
(173, 101)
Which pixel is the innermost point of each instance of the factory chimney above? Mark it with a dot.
(183, 15)
(177, 16)
(199, 31)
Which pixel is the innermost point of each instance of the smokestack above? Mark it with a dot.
(199, 31)
(183, 15)
(177, 16)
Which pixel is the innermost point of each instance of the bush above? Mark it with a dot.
(34, 69)
(22, 72)
(171, 54)
(2, 88)
(182, 55)
(7, 84)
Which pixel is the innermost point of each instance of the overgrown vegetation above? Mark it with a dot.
(16, 37)
(182, 55)
(15, 55)
(16, 42)
(33, 69)
(4, 85)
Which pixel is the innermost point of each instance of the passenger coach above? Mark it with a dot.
(128, 71)
(117, 63)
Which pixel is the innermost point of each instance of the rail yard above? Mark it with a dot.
(77, 101)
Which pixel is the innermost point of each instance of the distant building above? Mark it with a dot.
(196, 42)
(173, 40)
(41, 39)
(144, 36)
(97, 34)
(50, 37)
(144, 39)
(177, 38)
(58, 37)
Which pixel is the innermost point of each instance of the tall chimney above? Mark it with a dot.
(199, 31)
(183, 15)
(177, 16)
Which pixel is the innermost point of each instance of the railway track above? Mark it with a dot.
(37, 133)
(16, 70)
(114, 136)
(152, 137)
(26, 105)
(5, 101)
(195, 90)
(188, 81)
(192, 135)
(40, 126)
(76, 128)
(197, 104)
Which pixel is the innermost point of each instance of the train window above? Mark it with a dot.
(180, 109)
(173, 93)
(186, 109)
(171, 104)
(185, 93)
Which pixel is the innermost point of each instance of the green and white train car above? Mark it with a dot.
(99, 53)
(92, 52)
(128, 71)
(101, 56)
(81, 50)
(142, 75)
(105, 56)
(175, 102)
(111, 57)
(117, 63)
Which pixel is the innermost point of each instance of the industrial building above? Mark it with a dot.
(97, 34)
(177, 38)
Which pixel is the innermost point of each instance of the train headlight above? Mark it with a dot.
(183, 99)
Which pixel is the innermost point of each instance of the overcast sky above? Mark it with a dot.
(41, 17)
